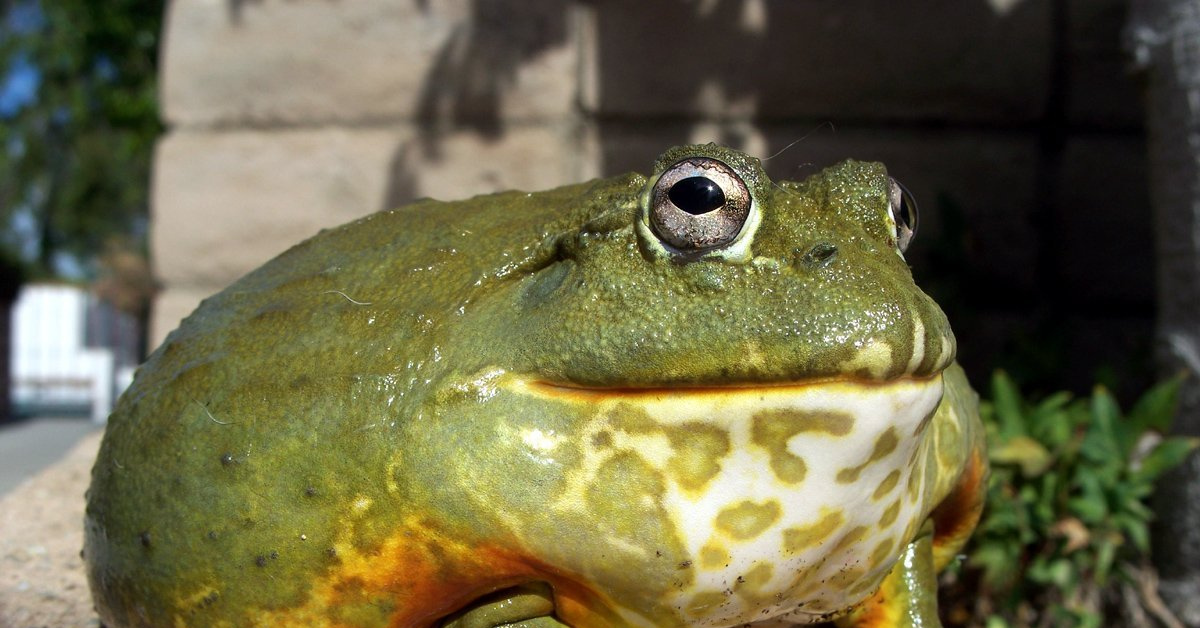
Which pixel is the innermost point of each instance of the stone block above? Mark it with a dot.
(786, 60)
(225, 202)
(309, 62)
(171, 306)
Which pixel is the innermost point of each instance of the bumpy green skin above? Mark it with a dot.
(274, 452)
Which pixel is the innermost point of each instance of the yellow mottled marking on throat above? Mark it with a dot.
(887, 485)
(748, 519)
(703, 602)
(804, 537)
(884, 445)
(713, 557)
(889, 515)
(882, 552)
(697, 451)
(751, 584)
(851, 537)
(772, 429)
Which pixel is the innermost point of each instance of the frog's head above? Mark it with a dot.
(739, 375)
(709, 273)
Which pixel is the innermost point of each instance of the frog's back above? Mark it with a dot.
(382, 283)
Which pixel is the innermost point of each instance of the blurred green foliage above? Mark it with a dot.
(75, 155)
(1064, 540)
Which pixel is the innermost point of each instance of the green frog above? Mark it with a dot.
(698, 398)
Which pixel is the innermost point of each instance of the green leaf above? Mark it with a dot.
(1156, 409)
(1137, 532)
(1049, 421)
(1100, 442)
(996, 621)
(1090, 506)
(1168, 454)
(1025, 453)
(997, 563)
(1106, 551)
(1006, 403)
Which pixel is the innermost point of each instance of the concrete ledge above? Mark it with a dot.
(42, 580)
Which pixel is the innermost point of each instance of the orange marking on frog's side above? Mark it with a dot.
(425, 574)
(956, 517)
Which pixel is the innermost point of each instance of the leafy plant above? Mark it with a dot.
(1064, 539)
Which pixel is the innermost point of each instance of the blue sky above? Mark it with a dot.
(18, 84)
(18, 87)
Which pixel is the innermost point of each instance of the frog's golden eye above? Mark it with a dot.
(904, 214)
(699, 204)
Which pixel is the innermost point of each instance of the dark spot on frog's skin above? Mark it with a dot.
(310, 491)
(331, 552)
(602, 440)
(685, 564)
(821, 254)
(212, 535)
(144, 538)
(227, 459)
(260, 560)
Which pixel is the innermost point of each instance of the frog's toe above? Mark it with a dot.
(528, 605)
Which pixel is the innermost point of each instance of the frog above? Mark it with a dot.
(698, 397)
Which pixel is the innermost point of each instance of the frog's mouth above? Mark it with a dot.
(584, 392)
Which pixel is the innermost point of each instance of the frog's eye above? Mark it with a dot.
(904, 214)
(699, 204)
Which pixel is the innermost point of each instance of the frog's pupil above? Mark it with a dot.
(697, 195)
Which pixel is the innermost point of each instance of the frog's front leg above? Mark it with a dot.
(525, 606)
(908, 596)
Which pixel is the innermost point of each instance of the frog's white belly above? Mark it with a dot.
(805, 511)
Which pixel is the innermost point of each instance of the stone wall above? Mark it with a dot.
(1012, 121)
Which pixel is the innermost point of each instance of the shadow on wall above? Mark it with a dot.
(670, 73)
(463, 89)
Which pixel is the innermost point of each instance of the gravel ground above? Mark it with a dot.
(42, 583)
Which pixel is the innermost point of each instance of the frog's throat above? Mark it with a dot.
(786, 499)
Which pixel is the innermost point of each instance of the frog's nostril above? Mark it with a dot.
(821, 254)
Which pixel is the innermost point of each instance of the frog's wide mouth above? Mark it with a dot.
(575, 390)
